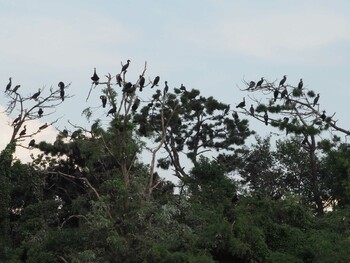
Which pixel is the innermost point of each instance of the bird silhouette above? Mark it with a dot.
(23, 132)
(275, 94)
(283, 80)
(241, 104)
(141, 82)
(16, 88)
(40, 112)
(266, 118)
(252, 110)
(8, 86)
(31, 143)
(119, 80)
(227, 109)
(300, 85)
(155, 81)
(95, 78)
(129, 88)
(316, 99)
(62, 94)
(323, 115)
(112, 111)
(166, 88)
(235, 115)
(61, 85)
(104, 100)
(135, 105)
(183, 88)
(16, 120)
(251, 85)
(260, 82)
(35, 95)
(124, 68)
(284, 93)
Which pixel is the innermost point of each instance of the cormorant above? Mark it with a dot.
(129, 88)
(252, 110)
(16, 88)
(119, 80)
(260, 82)
(266, 118)
(23, 132)
(300, 85)
(43, 126)
(104, 100)
(8, 86)
(125, 66)
(251, 85)
(284, 93)
(65, 133)
(141, 82)
(155, 81)
(136, 104)
(95, 78)
(241, 104)
(166, 88)
(227, 109)
(40, 112)
(235, 114)
(182, 87)
(31, 143)
(61, 85)
(323, 115)
(316, 99)
(283, 80)
(111, 111)
(16, 120)
(275, 94)
(36, 95)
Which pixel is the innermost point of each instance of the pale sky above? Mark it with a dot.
(210, 45)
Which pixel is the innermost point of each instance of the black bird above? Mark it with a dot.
(182, 87)
(275, 94)
(129, 88)
(95, 78)
(40, 112)
(166, 88)
(284, 93)
(252, 110)
(251, 85)
(136, 104)
(235, 115)
(125, 66)
(16, 120)
(111, 111)
(260, 82)
(36, 95)
(104, 100)
(241, 104)
(283, 81)
(16, 88)
(31, 143)
(62, 94)
(119, 80)
(61, 85)
(323, 115)
(316, 99)
(8, 86)
(43, 126)
(23, 132)
(300, 85)
(141, 82)
(285, 120)
(155, 81)
(227, 109)
(266, 118)
(65, 133)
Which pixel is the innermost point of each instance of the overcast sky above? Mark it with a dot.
(210, 45)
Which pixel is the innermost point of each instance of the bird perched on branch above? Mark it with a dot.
(8, 86)
(241, 104)
(104, 100)
(316, 99)
(135, 105)
(61, 85)
(275, 94)
(251, 85)
(40, 112)
(283, 80)
(235, 115)
(260, 82)
(323, 115)
(36, 95)
(16, 120)
(252, 110)
(95, 78)
(141, 82)
(155, 81)
(31, 143)
(112, 111)
(129, 88)
(16, 88)
(124, 68)
(284, 93)
(266, 118)
(166, 88)
(23, 132)
(300, 85)
(227, 109)
(119, 79)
